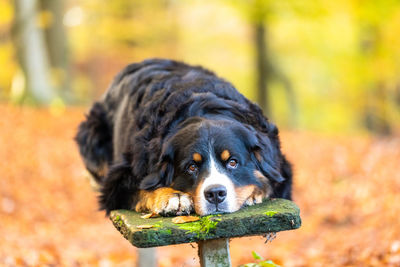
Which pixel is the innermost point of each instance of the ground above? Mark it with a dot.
(347, 188)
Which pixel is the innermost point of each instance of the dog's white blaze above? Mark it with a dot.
(216, 177)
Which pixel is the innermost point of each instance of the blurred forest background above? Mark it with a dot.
(326, 72)
(318, 65)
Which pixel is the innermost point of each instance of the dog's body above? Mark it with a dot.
(171, 138)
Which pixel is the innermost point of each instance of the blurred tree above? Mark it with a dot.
(267, 71)
(258, 13)
(262, 67)
(31, 52)
(113, 35)
(320, 65)
(372, 51)
(52, 12)
(374, 109)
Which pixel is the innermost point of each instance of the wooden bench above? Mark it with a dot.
(211, 232)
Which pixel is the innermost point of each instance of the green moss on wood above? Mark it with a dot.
(270, 213)
(271, 216)
(202, 227)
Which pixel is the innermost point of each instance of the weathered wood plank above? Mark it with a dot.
(271, 216)
(214, 253)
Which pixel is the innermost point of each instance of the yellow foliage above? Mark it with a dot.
(336, 54)
(6, 13)
(57, 107)
(8, 66)
(44, 19)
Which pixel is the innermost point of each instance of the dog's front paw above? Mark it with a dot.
(172, 202)
(165, 201)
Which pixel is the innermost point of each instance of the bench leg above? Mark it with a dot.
(147, 257)
(214, 252)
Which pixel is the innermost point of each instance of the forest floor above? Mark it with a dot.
(347, 188)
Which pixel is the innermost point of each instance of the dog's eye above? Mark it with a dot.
(192, 168)
(232, 164)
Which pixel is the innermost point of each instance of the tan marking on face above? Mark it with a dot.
(197, 157)
(266, 190)
(225, 155)
(243, 193)
(252, 194)
(197, 199)
(266, 186)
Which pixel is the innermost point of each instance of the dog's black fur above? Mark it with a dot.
(128, 138)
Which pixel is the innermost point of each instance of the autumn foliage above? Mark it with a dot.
(347, 188)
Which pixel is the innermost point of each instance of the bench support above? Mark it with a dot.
(211, 232)
(214, 252)
(147, 257)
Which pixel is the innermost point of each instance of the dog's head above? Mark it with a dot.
(223, 164)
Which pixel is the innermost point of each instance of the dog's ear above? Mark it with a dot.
(118, 188)
(163, 172)
(266, 164)
(284, 190)
(151, 181)
(263, 153)
(94, 139)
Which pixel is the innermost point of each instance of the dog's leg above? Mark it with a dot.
(164, 201)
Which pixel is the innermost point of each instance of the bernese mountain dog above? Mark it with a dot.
(173, 139)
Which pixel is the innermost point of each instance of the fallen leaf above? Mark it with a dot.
(344, 162)
(149, 215)
(145, 226)
(185, 219)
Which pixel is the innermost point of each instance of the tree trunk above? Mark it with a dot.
(266, 71)
(290, 94)
(31, 52)
(261, 54)
(57, 45)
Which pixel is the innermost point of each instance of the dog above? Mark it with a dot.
(174, 139)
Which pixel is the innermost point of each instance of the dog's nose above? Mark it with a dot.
(215, 193)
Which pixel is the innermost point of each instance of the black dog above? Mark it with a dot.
(170, 138)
